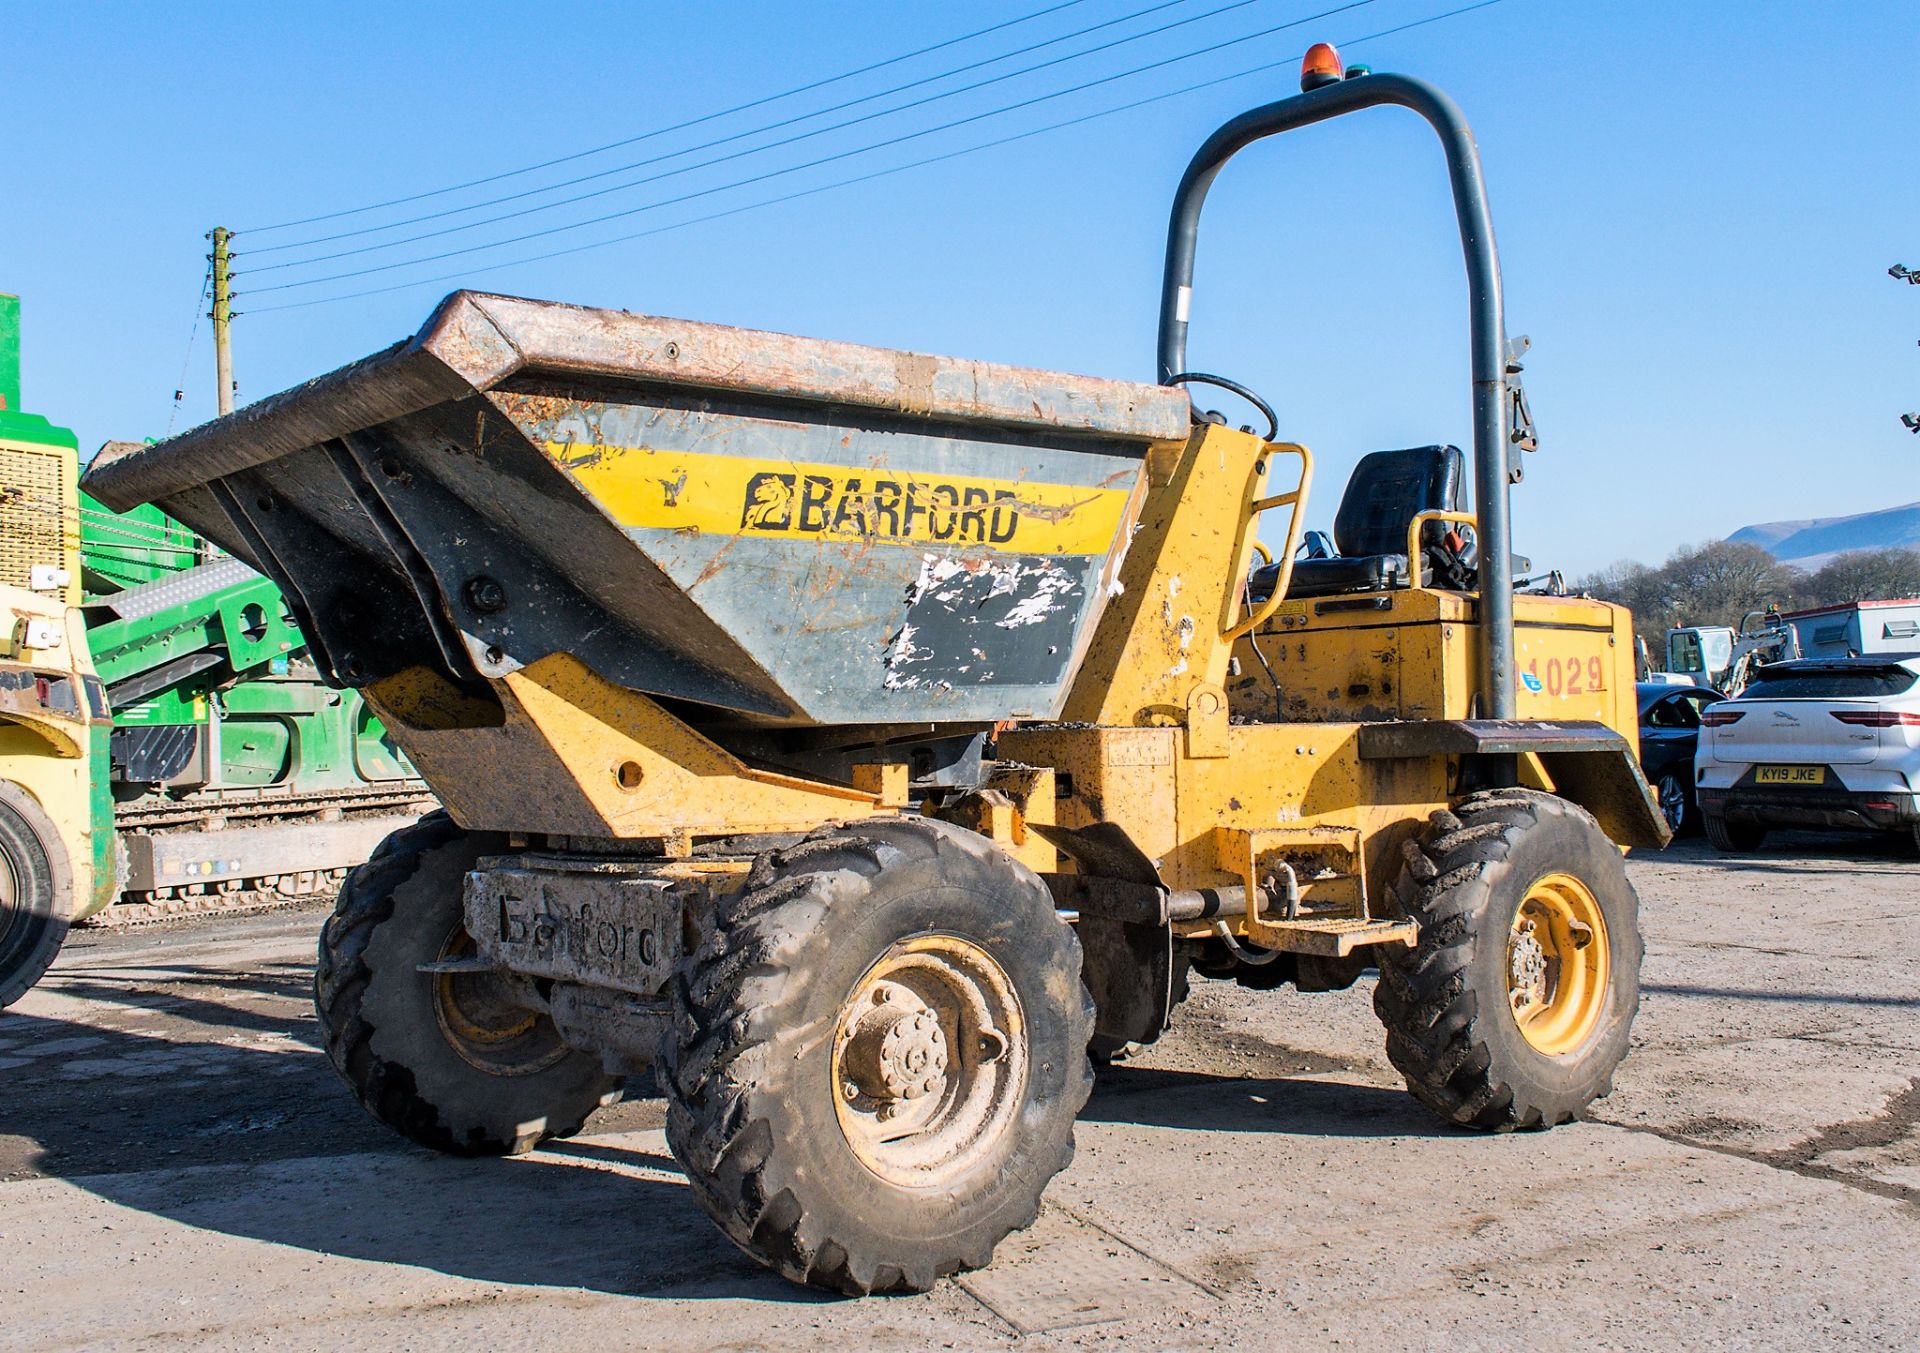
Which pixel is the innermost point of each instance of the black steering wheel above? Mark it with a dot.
(1233, 387)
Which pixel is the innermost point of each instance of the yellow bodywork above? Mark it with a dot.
(52, 719)
(568, 753)
(49, 743)
(1219, 773)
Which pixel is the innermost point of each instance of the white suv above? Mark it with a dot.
(1820, 742)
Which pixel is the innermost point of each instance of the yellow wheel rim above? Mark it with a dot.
(929, 1062)
(484, 1024)
(1557, 965)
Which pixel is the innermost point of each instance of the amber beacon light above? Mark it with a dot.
(1319, 67)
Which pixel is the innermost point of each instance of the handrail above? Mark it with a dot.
(1418, 524)
(1252, 509)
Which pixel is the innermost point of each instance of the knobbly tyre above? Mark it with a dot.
(860, 737)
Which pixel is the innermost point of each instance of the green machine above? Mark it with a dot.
(238, 776)
(165, 742)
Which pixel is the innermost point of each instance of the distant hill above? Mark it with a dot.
(1809, 544)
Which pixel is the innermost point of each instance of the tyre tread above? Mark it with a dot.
(1436, 1037)
(340, 981)
(711, 1077)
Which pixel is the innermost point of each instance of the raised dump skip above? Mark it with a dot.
(797, 530)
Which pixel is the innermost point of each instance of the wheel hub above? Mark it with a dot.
(929, 1060)
(1527, 967)
(897, 1049)
(1558, 965)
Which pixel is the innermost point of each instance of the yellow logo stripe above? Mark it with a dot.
(798, 500)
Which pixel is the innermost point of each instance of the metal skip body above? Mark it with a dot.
(794, 530)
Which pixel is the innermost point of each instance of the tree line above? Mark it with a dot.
(1720, 581)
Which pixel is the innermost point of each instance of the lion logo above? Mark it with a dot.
(769, 503)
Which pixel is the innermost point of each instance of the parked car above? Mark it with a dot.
(1669, 731)
(1820, 742)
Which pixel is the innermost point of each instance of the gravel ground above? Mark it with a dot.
(179, 1167)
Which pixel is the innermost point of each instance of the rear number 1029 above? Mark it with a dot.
(1569, 676)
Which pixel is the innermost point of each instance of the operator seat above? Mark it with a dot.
(1387, 490)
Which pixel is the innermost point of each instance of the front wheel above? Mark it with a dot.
(1675, 802)
(34, 896)
(1514, 1008)
(877, 1056)
(450, 1060)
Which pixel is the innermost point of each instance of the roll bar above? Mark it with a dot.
(1487, 324)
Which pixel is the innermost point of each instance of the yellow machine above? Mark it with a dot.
(56, 820)
(863, 739)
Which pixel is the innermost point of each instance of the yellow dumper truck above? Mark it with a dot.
(56, 809)
(862, 738)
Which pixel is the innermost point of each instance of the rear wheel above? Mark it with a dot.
(1514, 1008)
(33, 907)
(877, 1056)
(453, 1061)
(1734, 837)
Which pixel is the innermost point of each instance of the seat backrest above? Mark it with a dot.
(1388, 489)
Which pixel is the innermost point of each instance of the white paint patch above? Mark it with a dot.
(934, 570)
(901, 653)
(1049, 584)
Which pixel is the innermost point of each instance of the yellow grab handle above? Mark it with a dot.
(1295, 500)
(1413, 537)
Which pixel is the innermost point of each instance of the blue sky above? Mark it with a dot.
(1696, 205)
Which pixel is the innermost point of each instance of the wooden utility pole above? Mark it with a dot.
(222, 319)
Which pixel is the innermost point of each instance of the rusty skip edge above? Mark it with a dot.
(474, 341)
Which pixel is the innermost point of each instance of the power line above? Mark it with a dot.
(705, 145)
(753, 131)
(863, 178)
(1345, 43)
(676, 127)
(810, 164)
(180, 390)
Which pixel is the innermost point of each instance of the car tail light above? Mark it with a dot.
(1878, 718)
(1720, 718)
